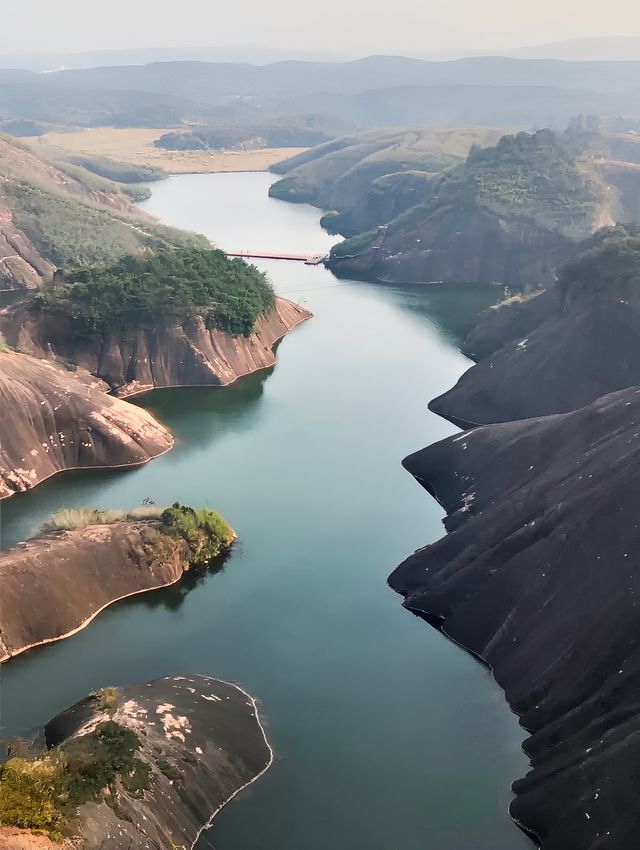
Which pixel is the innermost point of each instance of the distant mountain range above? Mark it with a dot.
(376, 91)
(622, 48)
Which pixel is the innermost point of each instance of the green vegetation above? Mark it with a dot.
(242, 126)
(44, 793)
(535, 176)
(608, 263)
(27, 794)
(205, 531)
(168, 286)
(4, 345)
(169, 770)
(73, 233)
(93, 762)
(108, 700)
(341, 172)
(176, 141)
(354, 246)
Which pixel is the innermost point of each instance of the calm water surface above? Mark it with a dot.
(387, 736)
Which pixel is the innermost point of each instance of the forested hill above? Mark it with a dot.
(58, 213)
(510, 213)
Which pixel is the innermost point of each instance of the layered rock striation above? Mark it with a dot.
(52, 419)
(132, 362)
(538, 577)
(55, 584)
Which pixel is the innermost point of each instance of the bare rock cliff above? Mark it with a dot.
(52, 419)
(133, 362)
(55, 584)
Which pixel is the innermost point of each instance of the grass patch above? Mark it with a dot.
(44, 793)
(205, 531)
(4, 345)
(27, 794)
(108, 700)
(74, 519)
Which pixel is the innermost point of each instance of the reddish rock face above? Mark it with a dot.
(52, 419)
(110, 562)
(134, 362)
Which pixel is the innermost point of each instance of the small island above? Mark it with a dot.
(144, 766)
(84, 560)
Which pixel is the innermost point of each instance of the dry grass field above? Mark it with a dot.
(136, 145)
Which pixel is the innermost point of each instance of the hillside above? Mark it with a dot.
(584, 331)
(371, 92)
(538, 576)
(340, 174)
(508, 214)
(56, 213)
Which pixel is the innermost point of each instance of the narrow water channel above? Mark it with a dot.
(387, 736)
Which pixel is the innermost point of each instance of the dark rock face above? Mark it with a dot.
(78, 574)
(206, 730)
(509, 321)
(574, 348)
(138, 361)
(52, 420)
(538, 578)
(464, 244)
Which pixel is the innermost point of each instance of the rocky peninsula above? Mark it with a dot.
(52, 419)
(89, 559)
(134, 361)
(144, 766)
(560, 349)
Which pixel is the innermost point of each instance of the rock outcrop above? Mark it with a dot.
(199, 743)
(134, 362)
(558, 351)
(539, 574)
(55, 584)
(52, 419)
(538, 577)
(461, 243)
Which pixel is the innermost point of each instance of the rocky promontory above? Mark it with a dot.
(143, 766)
(561, 349)
(138, 360)
(52, 419)
(538, 577)
(55, 584)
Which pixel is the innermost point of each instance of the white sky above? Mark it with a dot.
(353, 26)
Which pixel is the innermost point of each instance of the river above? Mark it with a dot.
(387, 736)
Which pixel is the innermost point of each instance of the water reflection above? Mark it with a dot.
(172, 597)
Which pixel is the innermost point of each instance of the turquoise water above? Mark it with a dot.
(387, 736)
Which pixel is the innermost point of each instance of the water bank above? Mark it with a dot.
(386, 735)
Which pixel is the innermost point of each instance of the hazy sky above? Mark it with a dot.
(354, 26)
